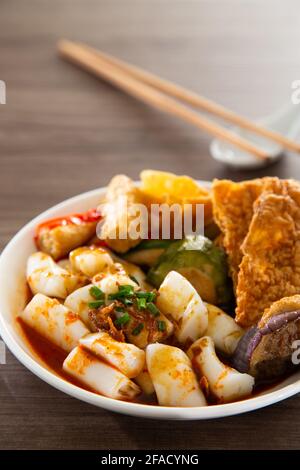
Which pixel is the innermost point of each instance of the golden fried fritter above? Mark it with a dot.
(270, 268)
(233, 211)
(119, 211)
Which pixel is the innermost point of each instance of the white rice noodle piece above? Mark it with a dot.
(78, 302)
(46, 277)
(54, 321)
(131, 269)
(126, 357)
(173, 378)
(225, 383)
(179, 299)
(223, 330)
(145, 382)
(65, 264)
(90, 260)
(99, 376)
(110, 283)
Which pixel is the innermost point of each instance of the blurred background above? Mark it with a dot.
(74, 131)
(63, 132)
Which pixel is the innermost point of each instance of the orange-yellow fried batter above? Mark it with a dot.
(233, 211)
(270, 268)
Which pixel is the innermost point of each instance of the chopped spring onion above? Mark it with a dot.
(141, 303)
(161, 325)
(149, 296)
(120, 309)
(152, 309)
(136, 331)
(96, 304)
(124, 291)
(97, 293)
(123, 320)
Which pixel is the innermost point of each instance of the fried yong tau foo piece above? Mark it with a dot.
(54, 321)
(165, 187)
(118, 217)
(58, 237)
(270, 268)
(225, 383)
(266, 350)
(173, 378)
(99, 376)
(127, 358)
(46, 277)
(233, 211)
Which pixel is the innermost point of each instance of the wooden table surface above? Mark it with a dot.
(63, 132)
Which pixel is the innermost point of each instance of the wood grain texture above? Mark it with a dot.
(63, 132)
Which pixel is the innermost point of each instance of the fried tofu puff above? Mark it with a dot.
(172, 375)
(99, 376)
(126, 357)
(119, 211)
(179, 299)
(225, 383)
(46, 277)
(57, 237)
(54, 321)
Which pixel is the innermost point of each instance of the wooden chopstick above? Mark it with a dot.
(197, 101)
(87, 59)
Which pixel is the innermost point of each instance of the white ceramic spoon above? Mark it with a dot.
(286, 121)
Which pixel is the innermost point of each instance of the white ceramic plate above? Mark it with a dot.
(12, 300)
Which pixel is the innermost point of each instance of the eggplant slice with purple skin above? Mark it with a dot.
(265, 351)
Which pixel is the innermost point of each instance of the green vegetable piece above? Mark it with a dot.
(96, 304)
(136, 331)
(122, 320)
(161, 325)
(97, 293)
(147, 252)
(202, 263)
(141, 303)
(149, 296)
(123, 292)
(126, 290)
(120, 309)
(152, 309)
